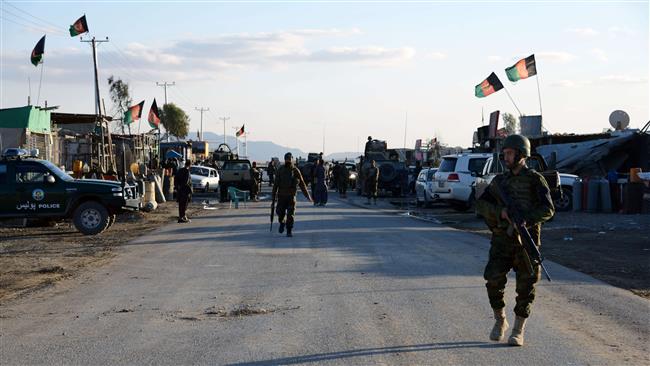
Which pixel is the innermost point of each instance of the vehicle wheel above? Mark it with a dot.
(111, 220)
(564, 203)
(396, 192)
(91, 218)
(418, 203)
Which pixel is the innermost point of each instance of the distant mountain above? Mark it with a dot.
(340, 156)
(257, 150)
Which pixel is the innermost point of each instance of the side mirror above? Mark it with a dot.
(50, 179)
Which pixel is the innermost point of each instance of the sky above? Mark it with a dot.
(325, 75)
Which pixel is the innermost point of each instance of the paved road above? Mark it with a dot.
(353, 287)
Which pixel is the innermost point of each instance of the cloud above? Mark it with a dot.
(600, 54)
(210, 58)
(555, 56)
(436, 56)
(603, 80)
(615, 31)
(622, 79)
(584, 32)
(494, 58)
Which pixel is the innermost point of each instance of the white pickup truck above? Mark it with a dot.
(561, 184)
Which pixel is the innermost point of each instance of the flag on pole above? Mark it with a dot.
(154, 115)
(488, 86)
(37, 53)
(241, 131)
(79, 27)
(522, 69)
(133, 113)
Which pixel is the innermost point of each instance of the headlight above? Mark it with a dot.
(353, 176)
(116, 189)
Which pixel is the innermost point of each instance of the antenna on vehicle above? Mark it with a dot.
(619, 120)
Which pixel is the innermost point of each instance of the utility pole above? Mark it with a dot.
(165, 85)
(224, 119)
(93, 42)
(201, 110)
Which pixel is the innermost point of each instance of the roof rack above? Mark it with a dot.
(17, 153)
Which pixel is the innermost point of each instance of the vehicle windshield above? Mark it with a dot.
(476, 165)
(448, 165)
(199, 171)
(236, 166)
(58, 172)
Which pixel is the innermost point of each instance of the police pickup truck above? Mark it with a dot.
(32, 188)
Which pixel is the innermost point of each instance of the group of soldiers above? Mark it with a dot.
(529, 193)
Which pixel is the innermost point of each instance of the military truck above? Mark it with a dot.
(393, 173)
(235, 173)
(222, 154)
(31, 188)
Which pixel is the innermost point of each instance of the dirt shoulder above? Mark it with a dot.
(613, 248)
(32, 258)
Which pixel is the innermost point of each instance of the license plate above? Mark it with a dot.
(441, 184)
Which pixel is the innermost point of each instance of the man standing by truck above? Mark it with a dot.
(531, 196)
(287, 180)
(183, 183)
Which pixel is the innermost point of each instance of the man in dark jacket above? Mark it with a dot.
(183, 183)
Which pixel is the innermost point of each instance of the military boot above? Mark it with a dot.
(500, 325)
(517, 336)
(281, 229)
(289, 234)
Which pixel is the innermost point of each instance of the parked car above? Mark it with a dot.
(455, 179)
(424, 187)
(561, 184)
(204, 178)
(31, 188)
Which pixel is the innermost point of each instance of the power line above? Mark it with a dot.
(31, 15)
(165, 85)
(39, 25)
(27, 26)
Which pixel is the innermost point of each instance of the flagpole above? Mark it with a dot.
(40, 82)
(512, 100)
(539, 95)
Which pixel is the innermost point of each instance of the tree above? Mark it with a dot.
(175, 120)
(119, 93)
(511, 123)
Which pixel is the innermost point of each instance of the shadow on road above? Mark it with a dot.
(319, 357)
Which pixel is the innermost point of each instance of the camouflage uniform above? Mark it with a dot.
(287, 180)
(530, 193)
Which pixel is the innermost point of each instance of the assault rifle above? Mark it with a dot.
(523, 235)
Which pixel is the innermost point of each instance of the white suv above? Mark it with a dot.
(454, 180)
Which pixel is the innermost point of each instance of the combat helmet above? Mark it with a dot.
(517, 142)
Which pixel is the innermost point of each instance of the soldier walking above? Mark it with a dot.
(285, 187)
(372, 180)
(531, 195)
(183, 183)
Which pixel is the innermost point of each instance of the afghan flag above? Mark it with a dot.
(79, 27)
(522, 69)
(490, 85)
(240, 132)
(154, 116)
(38, 51)
(133, 114)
